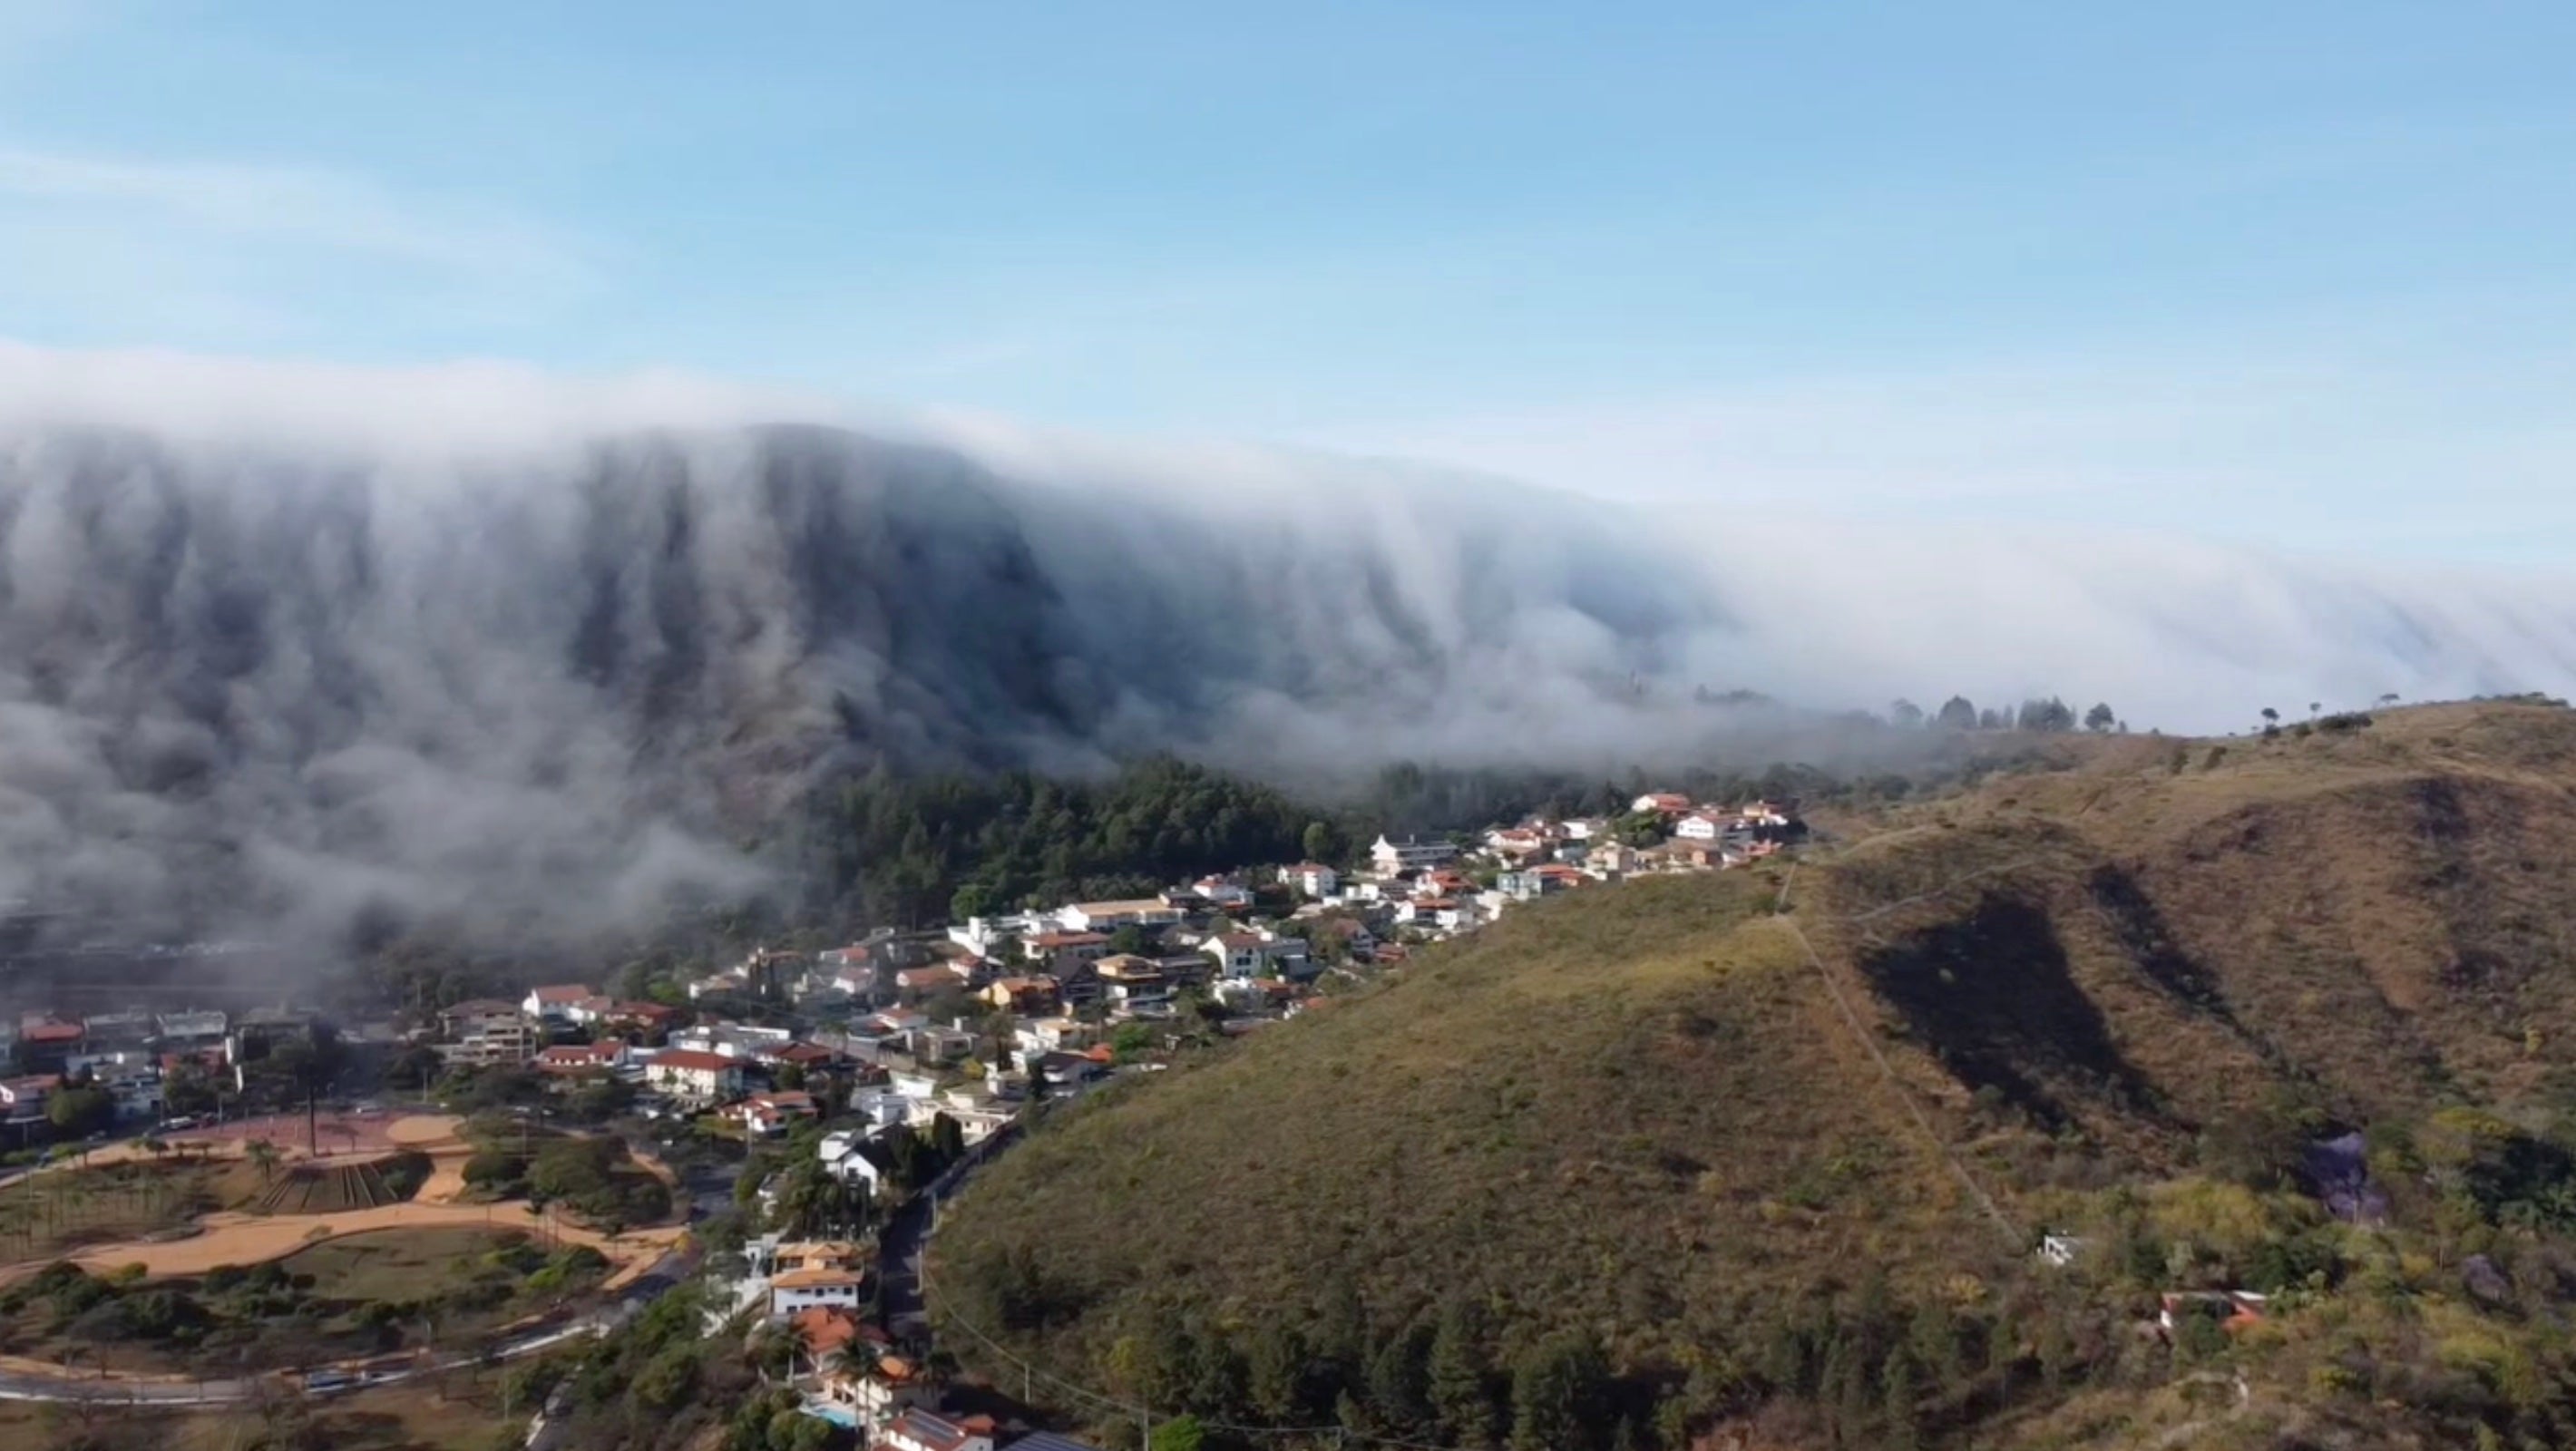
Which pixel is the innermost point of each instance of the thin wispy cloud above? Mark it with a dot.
(296, 204)
(110, 248)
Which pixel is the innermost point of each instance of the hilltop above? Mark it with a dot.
(1769, 1152)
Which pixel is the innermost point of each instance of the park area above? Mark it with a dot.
(471, 1409)
(234, 1253)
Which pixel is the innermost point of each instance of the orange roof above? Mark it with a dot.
(814, 1279)
(824, 1328)
(692, 1060)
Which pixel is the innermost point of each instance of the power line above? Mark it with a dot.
(1860, 1032)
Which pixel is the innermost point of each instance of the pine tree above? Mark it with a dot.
(1276, 1375)
(1461, 1377)
(1556, 1397)
(1896, 1383)
(1399, 1383)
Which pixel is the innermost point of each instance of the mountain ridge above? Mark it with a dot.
(2122, 997)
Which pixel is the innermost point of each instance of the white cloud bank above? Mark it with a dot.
(478, 638)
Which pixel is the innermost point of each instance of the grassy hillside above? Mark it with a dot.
(1634, 1166)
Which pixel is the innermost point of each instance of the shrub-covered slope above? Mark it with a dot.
(1639, 1143)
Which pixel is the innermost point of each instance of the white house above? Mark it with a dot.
(731, 1040)
(1312, 878)
(1395, 854)
(556, 1000)
(1700, 826)
(1236, 954)
(804, 1289)
(1221, 891)
(920, 1430)
(694, 1076)
(843, 1154)
(1660, 803)
(1145, 912)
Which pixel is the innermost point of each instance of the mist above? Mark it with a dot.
(282, 646)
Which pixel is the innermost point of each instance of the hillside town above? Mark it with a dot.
(854, 1081)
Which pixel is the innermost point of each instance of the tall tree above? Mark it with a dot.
(2100, 717)
(1957, 714)
(1461, 1377)
(1557, 1396)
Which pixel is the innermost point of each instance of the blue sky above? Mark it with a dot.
(2298, 273)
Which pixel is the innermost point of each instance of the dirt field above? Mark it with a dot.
(235, 1238)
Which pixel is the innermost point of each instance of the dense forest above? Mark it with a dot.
(918, 851)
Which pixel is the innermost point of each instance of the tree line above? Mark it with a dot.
(1860, 1368)
(2043, 716)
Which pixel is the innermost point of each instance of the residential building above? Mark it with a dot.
(43, 1043)
(732, 1040)
(799, 1290)
(694, 1075)
(878, 1393)
(1396, 854)
(116, 1030)
(24, 1098)
(770, 1115)
(1148, 914)
(135, 1089)
(557, 1000)
(1237, 955)
(480, 1033)
(1221, 892)
(578, 1059)
(1028, 994)
(916, 1429)
(1660, 803)
(1055, 947)
(845, 1155)
(649, 1020)
(1612, 858)
(1700, 826)
(1312, 878)
(188, 1028)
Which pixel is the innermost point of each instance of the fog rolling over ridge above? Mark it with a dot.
(258, 674)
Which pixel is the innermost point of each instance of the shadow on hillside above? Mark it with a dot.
(1992, 996)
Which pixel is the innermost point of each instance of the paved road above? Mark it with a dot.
(908, 1233)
